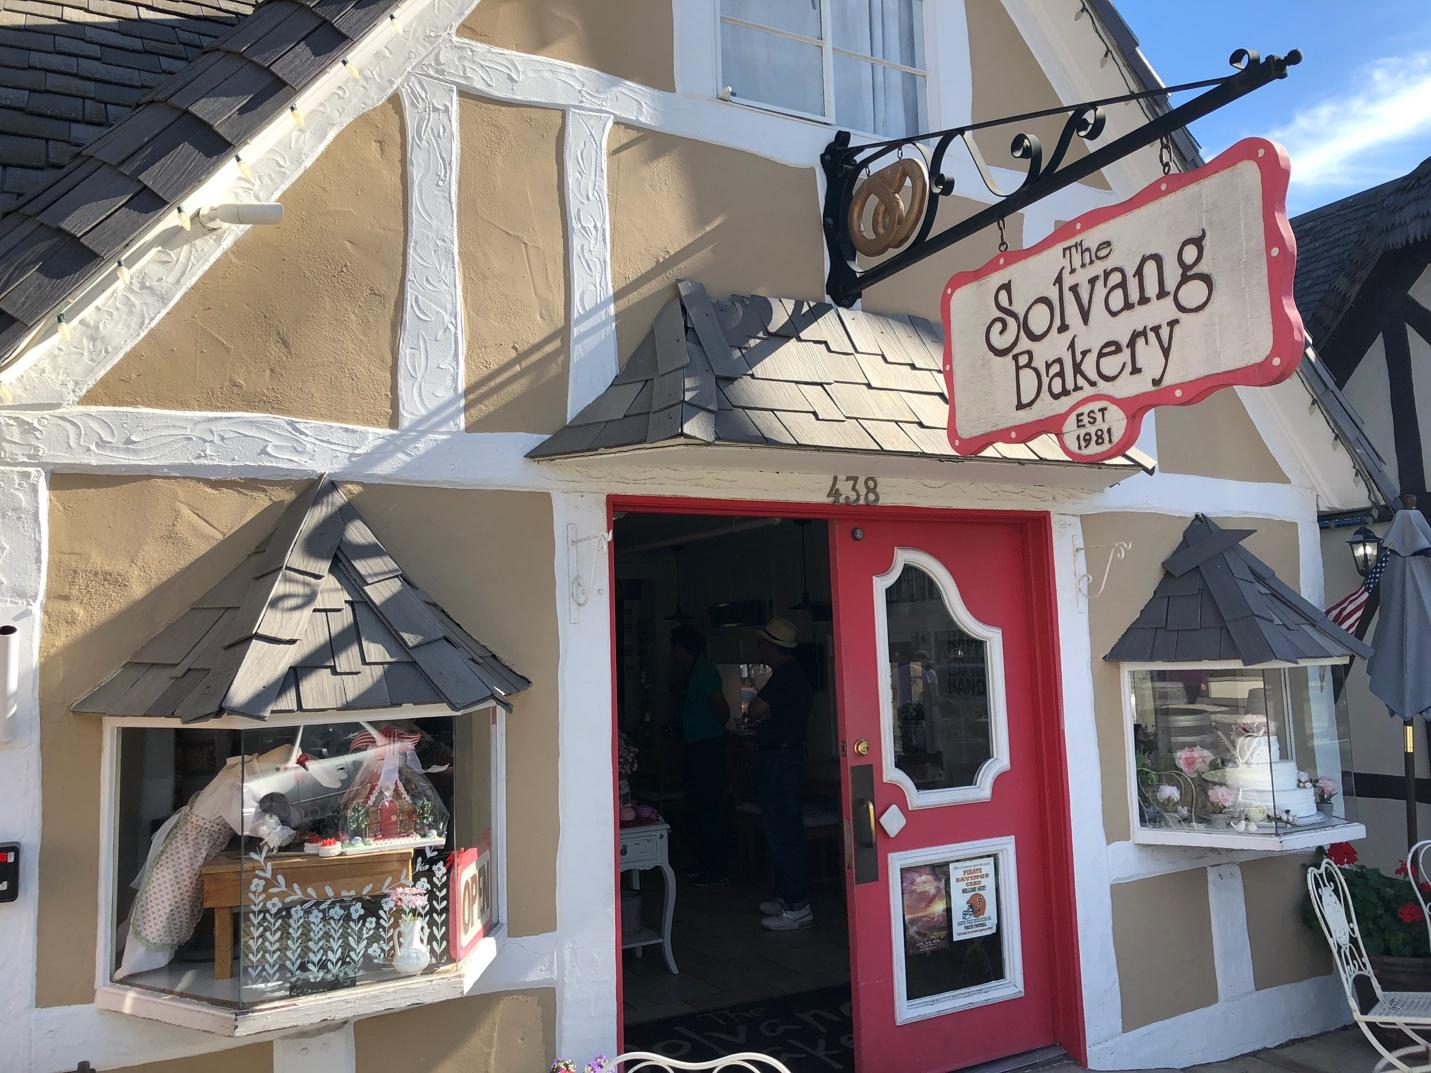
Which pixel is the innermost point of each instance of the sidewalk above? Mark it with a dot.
(1343, 1051)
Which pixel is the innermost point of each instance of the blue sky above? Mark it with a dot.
(1356, 112)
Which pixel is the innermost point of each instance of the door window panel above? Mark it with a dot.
(956, 917)
(943, 689)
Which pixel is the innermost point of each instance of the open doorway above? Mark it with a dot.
(694, 595)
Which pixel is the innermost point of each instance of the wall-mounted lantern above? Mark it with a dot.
(1365, 546)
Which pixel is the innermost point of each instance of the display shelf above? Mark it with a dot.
(1301, 838)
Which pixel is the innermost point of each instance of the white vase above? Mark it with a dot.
(412, 954)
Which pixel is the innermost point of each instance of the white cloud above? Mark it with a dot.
(1337, 141)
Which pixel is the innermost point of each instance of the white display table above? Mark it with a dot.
(646, 846)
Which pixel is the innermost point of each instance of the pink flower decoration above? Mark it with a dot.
(1193, 760)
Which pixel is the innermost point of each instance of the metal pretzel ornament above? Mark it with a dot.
(896, 212)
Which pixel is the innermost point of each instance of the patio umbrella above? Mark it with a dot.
(1399, 668)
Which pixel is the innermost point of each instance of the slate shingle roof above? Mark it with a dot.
(1218, 601)
(73, 227)
(318, 618)
(70, 69)
(784, 373)
(1338, 245)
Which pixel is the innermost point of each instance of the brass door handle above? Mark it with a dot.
(865, 823)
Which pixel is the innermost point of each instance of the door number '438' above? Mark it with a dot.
(851, 491)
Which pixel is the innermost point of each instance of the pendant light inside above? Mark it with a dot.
(818, 611)
(679, 614)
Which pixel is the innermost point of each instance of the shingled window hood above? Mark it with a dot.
(306, 801)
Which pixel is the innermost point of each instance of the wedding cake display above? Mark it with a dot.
(1259, 775)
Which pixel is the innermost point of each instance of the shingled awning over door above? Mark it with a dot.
(1218, 602)
(318, 618)
(775, 372)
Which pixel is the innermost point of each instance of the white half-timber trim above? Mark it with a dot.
(1098, 964)
(57, 372)
(541, 82)
(1251, 1021)
(23, 507)
(592, 305)
(586, 955)
(992, 638)
(330, 1052)
(431, 345)
(1231, 945)
(158, 443)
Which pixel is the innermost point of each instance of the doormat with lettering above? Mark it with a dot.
(810, 1032)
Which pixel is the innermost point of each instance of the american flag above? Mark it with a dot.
(1348, 611)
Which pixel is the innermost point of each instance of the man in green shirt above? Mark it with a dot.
(703, 716)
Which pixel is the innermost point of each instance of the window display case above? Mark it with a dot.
(1234, 755)
(321, 861)
(1236, 723)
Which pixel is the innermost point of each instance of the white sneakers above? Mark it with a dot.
(786, 919)
(772, 907)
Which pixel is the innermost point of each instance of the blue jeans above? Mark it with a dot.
(782, 774)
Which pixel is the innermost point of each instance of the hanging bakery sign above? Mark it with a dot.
(1159, 301)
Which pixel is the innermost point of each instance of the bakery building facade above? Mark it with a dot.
(343, 548)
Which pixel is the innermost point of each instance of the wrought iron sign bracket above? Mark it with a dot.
(871, 212)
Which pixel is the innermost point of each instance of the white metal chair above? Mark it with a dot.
(1416, 874)
(646, 1062)
(1406, 1011)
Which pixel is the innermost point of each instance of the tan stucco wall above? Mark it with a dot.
(1162, 938)
(919, 289)
(300, 319)
(515, 1031)
(734, 221)
(632, 39)
(1284, 950)
(1131, 583)
(127, 557)
(511, 240)
(1215, 438)
(1009, 81)
(490, 559)
(254, 1058)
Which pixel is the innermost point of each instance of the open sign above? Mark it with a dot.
(470, 898)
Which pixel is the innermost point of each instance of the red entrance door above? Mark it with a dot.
(961, 921)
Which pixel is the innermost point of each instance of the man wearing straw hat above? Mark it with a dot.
(781, 711)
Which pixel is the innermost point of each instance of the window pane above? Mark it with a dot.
(888, 29)
(953, 937)
(280, 862)
(1247, 749)
(939, 687)
(772, 70)
(877, 99)
(793, 16)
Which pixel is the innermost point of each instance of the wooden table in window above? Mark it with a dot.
(226, 883)
(645, 846)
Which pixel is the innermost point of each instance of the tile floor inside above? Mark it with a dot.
(725, 957)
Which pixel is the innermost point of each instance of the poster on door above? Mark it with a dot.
(973, 897)
(924, 897)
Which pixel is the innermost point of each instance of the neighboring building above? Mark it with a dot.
(1364, 289)
(538, 275)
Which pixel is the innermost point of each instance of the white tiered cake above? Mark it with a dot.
(1262, 777)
